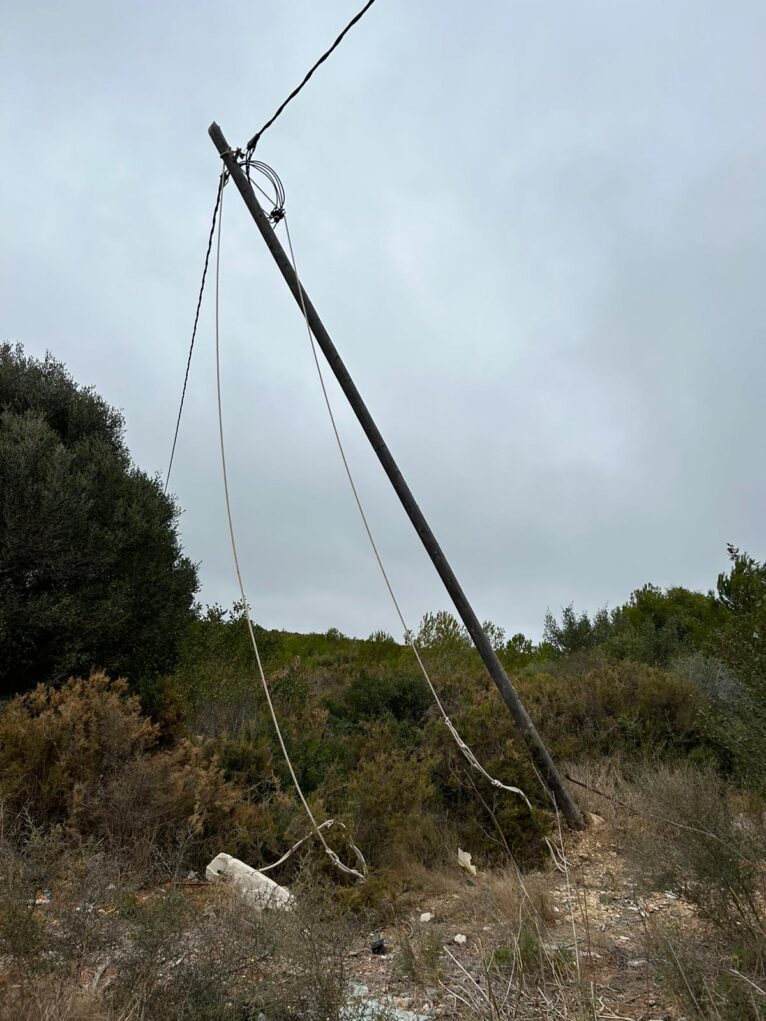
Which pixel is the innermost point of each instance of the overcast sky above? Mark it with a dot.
(536, 233)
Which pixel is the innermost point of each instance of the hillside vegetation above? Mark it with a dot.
(147, 747)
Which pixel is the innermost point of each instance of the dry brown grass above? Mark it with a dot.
(106, 947)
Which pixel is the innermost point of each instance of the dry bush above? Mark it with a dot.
(706, 842)
(54, 741)
(419, 954)
(706, 977)
(107, 949)
(184, 962)
(692, 834)
(603, 783)
(150, 956)
(84, 758)
(47, 948)
(523, 972)
(309, 964)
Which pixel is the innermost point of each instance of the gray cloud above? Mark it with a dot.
(537, 235)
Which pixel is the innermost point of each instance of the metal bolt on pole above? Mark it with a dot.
(539, 753)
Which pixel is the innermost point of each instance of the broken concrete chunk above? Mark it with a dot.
(256, 889)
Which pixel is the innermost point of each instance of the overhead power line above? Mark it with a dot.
(357, 17)
(221, 182)
(276, 215)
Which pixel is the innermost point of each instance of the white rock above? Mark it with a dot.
(426, 916)
(460, 938)
(256, 889)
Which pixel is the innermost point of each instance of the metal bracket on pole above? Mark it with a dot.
(537, 749)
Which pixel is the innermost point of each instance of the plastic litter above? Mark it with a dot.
(464, 861)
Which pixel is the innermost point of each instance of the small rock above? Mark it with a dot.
(426, 916)
(638, 962)
(460, 938)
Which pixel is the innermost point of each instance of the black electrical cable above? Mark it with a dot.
(254, 140)
(221, 182)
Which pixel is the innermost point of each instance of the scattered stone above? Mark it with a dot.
(459, 938)
(638, 962)
(362, 1007)
(426, 916)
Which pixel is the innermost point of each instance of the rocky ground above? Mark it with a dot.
(592, 930)
(569, 942)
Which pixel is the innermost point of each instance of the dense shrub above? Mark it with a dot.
(695, 835)
(593, 706)
(360, 729)
(390, 801)
(91, 570)
(84, 758)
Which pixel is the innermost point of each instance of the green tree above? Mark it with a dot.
(656, 626)
(91, 570)
(576, 632)
(740, 643)
(441, 630)
(741, 639)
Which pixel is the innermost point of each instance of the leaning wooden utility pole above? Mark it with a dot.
(537, 749)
